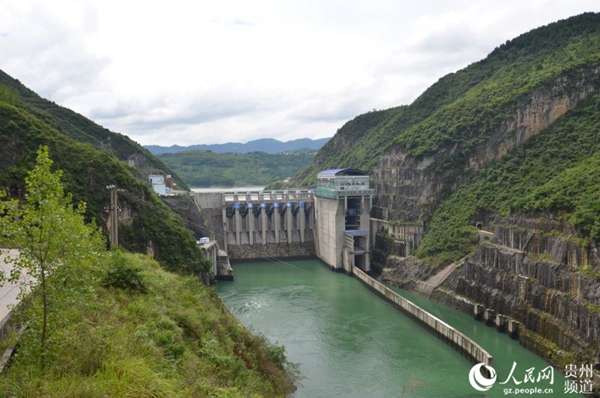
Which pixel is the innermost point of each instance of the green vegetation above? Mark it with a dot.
(556, 171)
(80, 128)
(176, 340)
(9, 95)
(591, 272)
(123, 276)
(114, 324)
(207, 169)
(54, 242)
(575, 190)
(87, 172)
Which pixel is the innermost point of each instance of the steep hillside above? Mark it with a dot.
(82, 129)
(541, 265)
(554, 172)
(510, 144)
(168, 337)
(479, 104)
(144, 221)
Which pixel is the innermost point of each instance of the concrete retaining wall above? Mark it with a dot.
(260, 251)
(444, 331)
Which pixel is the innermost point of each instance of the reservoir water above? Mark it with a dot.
(351, 343)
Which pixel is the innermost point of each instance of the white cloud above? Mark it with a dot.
(188, 72)
(47, 50)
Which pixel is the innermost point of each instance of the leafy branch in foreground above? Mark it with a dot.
(54, 242)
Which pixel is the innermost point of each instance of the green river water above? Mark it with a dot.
(351, 343)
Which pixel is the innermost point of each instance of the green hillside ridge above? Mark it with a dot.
(173, 339)
(465, 107)
(469, 120)
(556, 171)
(208, 169)
(78, 127)
(456, 118)
(87, 173)
(268, 145)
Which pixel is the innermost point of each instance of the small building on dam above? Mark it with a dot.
(331, 222)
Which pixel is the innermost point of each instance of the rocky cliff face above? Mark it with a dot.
(405, 272)
(539, 272)
(184, 206)
(409, 188)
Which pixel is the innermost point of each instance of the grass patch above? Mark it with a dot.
(590, 271)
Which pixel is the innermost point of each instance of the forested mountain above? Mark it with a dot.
(92, 158)
(466, 107)
(78, 127)
(422, 153)
(208, 169)
(268, 145)
(511, 144)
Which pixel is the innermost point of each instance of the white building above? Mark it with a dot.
(157, 183)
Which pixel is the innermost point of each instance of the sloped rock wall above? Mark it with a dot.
(538, 271)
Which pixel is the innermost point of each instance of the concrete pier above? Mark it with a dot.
(501, 323)
(489, 316)
(225, 272)
(478, 311)
(513, 329)
(453, 337)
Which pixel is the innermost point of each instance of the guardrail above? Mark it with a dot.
(447, 333)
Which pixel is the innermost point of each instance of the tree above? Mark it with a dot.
(54, 242)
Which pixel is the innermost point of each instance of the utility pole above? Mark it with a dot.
(113, 219)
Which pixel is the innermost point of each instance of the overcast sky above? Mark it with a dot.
(192, 72)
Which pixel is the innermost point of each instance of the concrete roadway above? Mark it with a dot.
(8, 291)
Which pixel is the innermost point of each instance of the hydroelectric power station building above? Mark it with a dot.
(331, 221)
(342, 213)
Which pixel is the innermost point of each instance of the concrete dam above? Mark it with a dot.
(332, 222)
(261, 224)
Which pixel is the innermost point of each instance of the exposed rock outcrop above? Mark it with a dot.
(409, 188)
(405, 272)
(184, 206)
(537, 271)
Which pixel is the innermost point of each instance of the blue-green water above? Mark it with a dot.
(351, 343)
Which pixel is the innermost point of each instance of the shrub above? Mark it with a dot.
(123, 276)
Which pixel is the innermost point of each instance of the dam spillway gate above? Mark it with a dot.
(261, 224)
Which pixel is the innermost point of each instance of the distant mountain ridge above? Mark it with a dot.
(268, 145)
